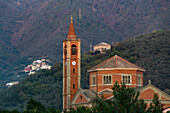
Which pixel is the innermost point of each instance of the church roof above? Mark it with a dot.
(155, 89)
(115, 63)
(89, 95)
(102, 44)
(71, 31)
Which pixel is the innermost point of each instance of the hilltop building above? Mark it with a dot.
(101, 47)
(102, 77)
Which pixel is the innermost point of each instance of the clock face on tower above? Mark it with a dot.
(74, 63)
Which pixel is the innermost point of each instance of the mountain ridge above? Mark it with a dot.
(149, 51)
(33, 29)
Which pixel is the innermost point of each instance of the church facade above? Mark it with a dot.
(102, 77)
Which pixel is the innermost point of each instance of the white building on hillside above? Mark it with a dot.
(101, 46)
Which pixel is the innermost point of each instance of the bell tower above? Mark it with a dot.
(71, 66)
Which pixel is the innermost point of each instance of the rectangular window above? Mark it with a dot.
(73, 86)
(73, 70)
(126, 79)
(107, 79)
(139, 80)
(93, 81)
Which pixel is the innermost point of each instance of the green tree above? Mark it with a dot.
(6, 111)
(126, 100)
(102, 106)
(35, 105)
(155, 106)
(80, 109)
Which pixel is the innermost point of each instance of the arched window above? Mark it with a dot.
(65, 50)
(104, 80)
(139, 80)
(107, 79)
(73, 70)
(73, 86)
(126, 79)
(73, 49)
(93, 81)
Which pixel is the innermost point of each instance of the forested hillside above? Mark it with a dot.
(149, 51)
(34, 29)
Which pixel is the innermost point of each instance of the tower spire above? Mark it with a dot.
(71, 19)
(71, 31)
(71, 66)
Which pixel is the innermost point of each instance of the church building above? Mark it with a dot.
(102, 77)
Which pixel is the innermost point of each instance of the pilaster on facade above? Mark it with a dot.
(79, 63)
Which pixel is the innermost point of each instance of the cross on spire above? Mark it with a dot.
(71, 19)
(149, 81)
